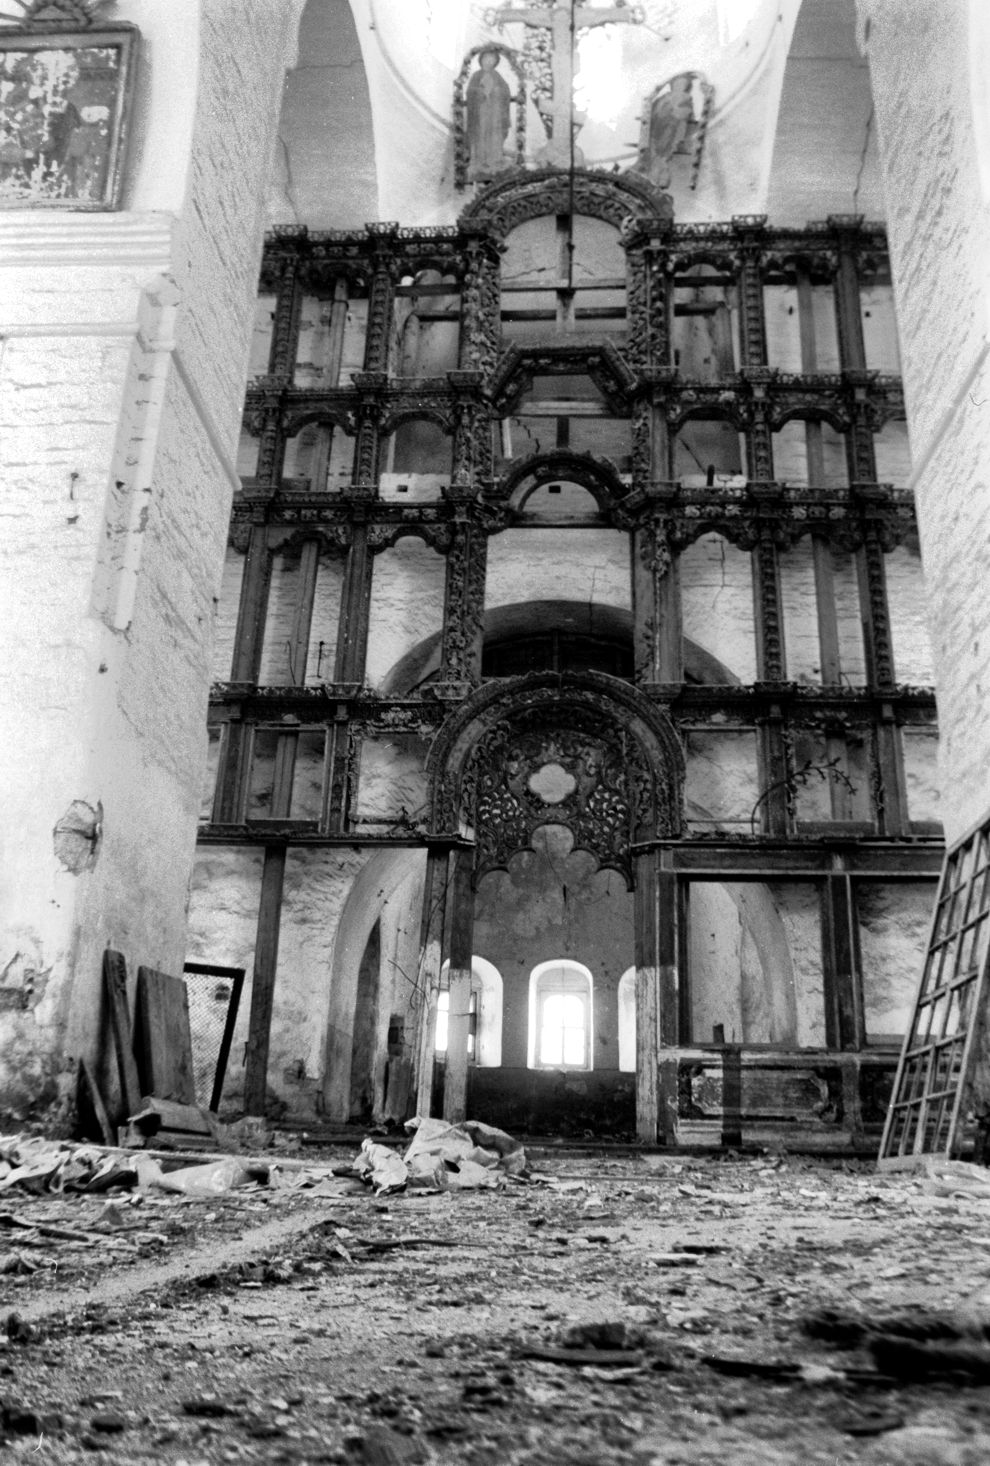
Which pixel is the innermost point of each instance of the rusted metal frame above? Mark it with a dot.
(263, 980)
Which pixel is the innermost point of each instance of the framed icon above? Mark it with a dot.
(65, 101)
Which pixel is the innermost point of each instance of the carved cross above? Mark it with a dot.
(563, 19)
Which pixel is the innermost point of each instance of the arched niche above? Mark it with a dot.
(418, 443)
(811, 450)
(406, 603)
(319, 455)
(752, 946)
(302, 609)
(707, 450)
(524, 622)
(597, 476)
(717, 602)
(824, 154)
(325, 129)
(386, 879)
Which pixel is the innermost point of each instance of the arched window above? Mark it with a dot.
(485, 1014)
(627, 1020)
(560, 1015)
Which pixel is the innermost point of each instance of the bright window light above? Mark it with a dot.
(563, 1031)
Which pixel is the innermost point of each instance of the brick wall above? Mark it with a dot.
(938, 221)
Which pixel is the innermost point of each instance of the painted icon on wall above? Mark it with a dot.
(64, 105)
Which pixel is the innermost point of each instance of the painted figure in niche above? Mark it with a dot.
(671, 128)
(488, 118)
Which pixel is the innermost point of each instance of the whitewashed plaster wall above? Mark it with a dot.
(327, 915)
(893, 928)
(928, 66)
(407, 595)
(125, 342)
(591, 565)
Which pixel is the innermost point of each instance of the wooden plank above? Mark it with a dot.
(647, 998)
(263, 981)
(355, 609)
(428, 979)
(115, 986)
(399, 1089)
(160, 1114)
(894, 816)
(89, 1091)
(459, 1017)
(302, 621)
(250, 633)
(164, 1042)
(845, 1024)
(932, 1088)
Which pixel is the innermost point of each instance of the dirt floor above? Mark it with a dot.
(615, 1308)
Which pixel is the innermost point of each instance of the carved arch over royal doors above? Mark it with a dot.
(582, 750)
(518, 195)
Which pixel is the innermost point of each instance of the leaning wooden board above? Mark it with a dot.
(115, 981)
(162, 1041)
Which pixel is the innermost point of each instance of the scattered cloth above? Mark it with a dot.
(442, 1157)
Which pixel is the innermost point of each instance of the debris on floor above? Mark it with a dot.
(442, 1157)
(298, 1318)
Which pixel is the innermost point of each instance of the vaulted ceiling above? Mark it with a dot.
(366, 124)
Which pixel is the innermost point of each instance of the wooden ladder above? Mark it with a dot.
(944, 1060)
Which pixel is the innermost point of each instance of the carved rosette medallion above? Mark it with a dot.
(580, 772)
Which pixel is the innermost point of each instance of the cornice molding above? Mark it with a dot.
(39, 238)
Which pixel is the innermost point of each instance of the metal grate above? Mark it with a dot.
(214, 995)
(932, 1088)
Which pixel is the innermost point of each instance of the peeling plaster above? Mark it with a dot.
(77, 836)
